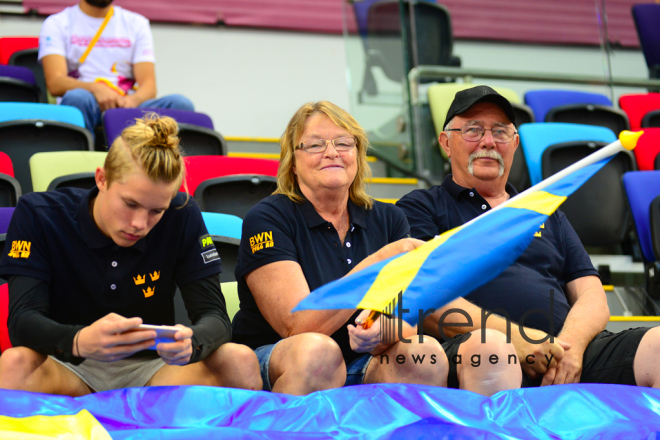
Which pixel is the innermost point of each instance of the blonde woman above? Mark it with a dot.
(319, 226)
(86, 268)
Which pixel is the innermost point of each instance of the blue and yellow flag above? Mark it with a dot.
(464, 258)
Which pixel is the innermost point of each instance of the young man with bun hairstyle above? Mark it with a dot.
(86, 268)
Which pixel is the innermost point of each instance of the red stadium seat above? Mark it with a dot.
(201, 168)
(6, 167)
(636, 106)
(9, 45)
(5, 343)
(647, 149)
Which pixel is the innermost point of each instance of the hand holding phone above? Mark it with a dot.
(164, 333)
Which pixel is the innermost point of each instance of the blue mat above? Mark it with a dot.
(584, 411)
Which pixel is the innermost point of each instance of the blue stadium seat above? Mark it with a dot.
(541, 101)
(642, 188)
(538, 136)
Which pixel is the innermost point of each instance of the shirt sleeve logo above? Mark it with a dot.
(206, 241)
(20, 249)
(210, 255)
(262, 240)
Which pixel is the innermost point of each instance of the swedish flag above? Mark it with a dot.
(464, 258)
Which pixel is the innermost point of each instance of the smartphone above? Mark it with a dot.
(164, 333)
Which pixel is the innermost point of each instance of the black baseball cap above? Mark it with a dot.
(469, 97)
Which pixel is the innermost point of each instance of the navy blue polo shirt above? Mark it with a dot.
(555, 256)
(278, 229)
(52, 237)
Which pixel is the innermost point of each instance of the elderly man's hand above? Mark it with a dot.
(363, 341)
(536, 358)
(567, 370)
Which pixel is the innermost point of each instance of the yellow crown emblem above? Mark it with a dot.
(139, 279)
(154, 276)
(149, 292)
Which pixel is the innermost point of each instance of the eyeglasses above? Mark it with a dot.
(474, 133)
(320, 145)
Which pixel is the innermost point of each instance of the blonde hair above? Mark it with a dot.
(151, 145)
(287, 183)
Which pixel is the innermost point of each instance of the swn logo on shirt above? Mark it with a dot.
(20, 249)
(260, 241)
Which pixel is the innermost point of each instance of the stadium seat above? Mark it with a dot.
(10, 45)
(577, 108)
(637, 106)
(643, 190)
(5, 343)
(10, 191)
(6, 167)
(234, 195)
(26, 129)
(597, 210)
(17, 84)
(195, 129)
(56, 169)
(536, 137)
(384, 43)
(229, 291)
(647, 17)
(648, 149)
(201, 168)
(651, 119)
(29, 58)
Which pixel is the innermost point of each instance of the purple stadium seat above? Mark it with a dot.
(17, 84)
(195, 129)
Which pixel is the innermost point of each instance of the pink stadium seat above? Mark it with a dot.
(201, 168)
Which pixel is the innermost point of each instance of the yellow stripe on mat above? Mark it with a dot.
(79, 426)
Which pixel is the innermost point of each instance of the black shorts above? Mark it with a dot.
(608, 358)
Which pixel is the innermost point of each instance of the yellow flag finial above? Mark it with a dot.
(629, 138)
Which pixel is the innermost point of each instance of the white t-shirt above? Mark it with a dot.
(126, 40)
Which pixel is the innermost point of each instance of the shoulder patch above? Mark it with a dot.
(261, 240)
(210, 255)
(206, 241)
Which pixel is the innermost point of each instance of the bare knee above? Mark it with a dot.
(645, 364)
(236, 365)
(312, 360)
(16, 364)
(420, 363)
(21, 359)
(490, 366)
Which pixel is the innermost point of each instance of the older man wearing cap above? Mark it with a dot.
(553, 288)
